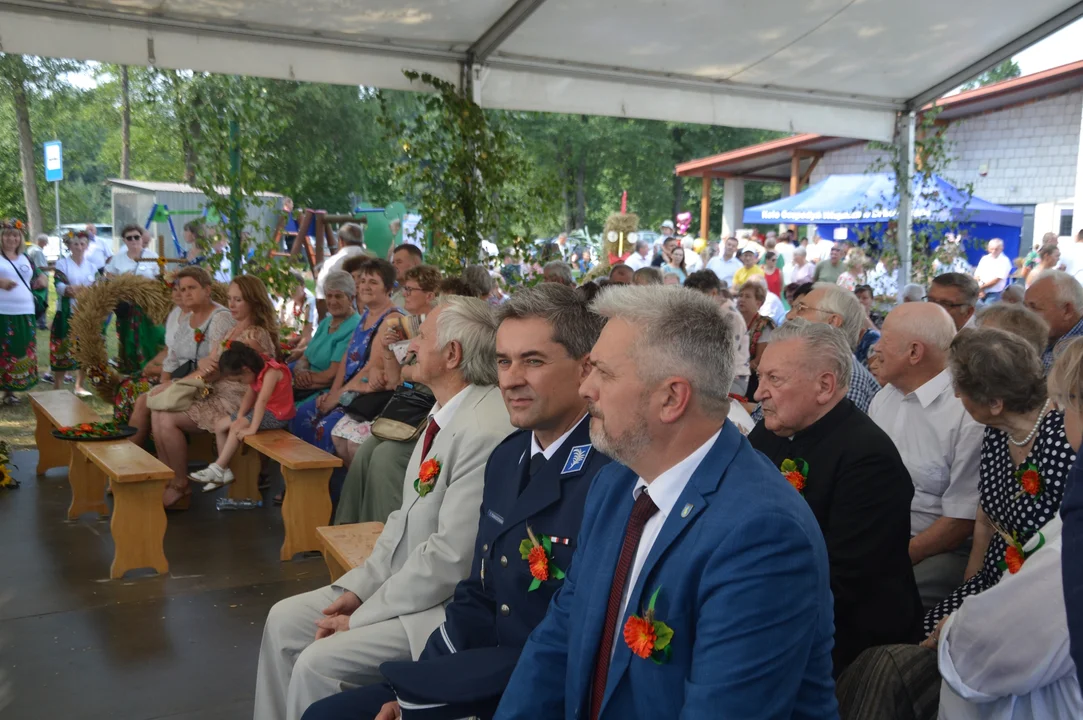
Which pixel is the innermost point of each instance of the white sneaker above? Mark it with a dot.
(212, 474)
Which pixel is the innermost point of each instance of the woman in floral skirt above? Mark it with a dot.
(18, 322)
(70, 274)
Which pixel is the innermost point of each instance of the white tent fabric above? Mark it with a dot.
(835, 67)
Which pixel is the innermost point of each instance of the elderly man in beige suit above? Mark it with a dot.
(335, 638)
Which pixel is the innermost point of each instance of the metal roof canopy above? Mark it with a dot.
(836, 67)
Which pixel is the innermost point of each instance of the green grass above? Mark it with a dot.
(17, 421)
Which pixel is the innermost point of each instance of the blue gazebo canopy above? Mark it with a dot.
(870, 198)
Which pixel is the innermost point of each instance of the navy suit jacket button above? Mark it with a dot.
(485, 547)
(505, 610)
(503, 561)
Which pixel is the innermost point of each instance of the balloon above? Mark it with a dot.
(699, 244)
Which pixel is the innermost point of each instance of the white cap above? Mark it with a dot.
(669, 224)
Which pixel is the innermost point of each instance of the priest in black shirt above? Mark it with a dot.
(853, 478)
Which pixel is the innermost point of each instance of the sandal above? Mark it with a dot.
(182, 498)
(280, 498)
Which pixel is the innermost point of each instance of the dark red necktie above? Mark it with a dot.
(430, 433)
(642, 511)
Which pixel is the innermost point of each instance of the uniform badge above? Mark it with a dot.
(494, 516)
(687, 509)
(577, 458)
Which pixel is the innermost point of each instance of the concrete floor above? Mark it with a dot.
(74, 644)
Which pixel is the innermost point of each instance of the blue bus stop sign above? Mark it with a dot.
(54, 161)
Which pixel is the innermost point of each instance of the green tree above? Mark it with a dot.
(1006, 70)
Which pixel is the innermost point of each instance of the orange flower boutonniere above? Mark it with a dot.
(1030, 481)
(648, 637)
(796, 473)
(426, 476)
(199, 336)
(539, 557)
(1017, 553)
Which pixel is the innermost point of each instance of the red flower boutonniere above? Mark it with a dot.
(1030, 481)
(648, 637)
(539, 556)
(1017, 553)
(227, 344)
(199, 336)
(426, 476)
(796, 473)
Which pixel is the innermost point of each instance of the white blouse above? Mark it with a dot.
(121, 264)
(18, 300)
(1004, 655)
(77, 275)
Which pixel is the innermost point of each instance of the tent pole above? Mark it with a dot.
(904, 134)
(705, 208)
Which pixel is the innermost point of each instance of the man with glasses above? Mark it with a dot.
(958, 294)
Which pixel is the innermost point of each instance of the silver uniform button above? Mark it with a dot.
(505, 610)
(485, 547)
(503, 561)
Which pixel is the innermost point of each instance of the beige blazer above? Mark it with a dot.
(427, 545)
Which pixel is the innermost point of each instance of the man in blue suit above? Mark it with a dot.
(536, 485)
(700, 587)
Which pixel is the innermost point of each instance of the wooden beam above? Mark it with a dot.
(808, 172)
(795, 172)
(705, 208)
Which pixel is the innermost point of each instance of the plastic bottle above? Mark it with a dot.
(225, 503)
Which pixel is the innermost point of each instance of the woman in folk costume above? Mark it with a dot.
(71, 274)
(18, 346)
(140, 339)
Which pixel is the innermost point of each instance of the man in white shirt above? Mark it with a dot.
(785, 248)
(98, 251)
(351, 238)
(819, 249)
(938, 440)
(692, 259)
(726, 264)
(641, 257)
(1072, 256)
(884, 281)
(994, 270)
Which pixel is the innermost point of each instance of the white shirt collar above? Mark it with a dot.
(933, 388)
(443, 414)
(550, 451)
(668, 486)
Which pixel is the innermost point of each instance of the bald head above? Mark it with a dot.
(914, 344)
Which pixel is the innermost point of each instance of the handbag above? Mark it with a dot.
(40, 303)
(406, 414)
(179, 395)
(363, 407)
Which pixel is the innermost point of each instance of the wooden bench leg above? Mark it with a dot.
(307, 506)
(245, 466)
(87, 487)
(52, 453)
(333, 566)
(138, 527)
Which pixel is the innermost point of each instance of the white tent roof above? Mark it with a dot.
(835, 67)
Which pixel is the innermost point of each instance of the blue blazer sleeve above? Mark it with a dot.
(1071, 512)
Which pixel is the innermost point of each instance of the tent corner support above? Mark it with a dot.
(904, 138)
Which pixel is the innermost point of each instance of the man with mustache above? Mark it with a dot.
(535, 487)
(700, 586)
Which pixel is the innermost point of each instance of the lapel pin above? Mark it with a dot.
(687, 509)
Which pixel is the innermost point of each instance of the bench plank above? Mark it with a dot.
(125, 462)
(346, 547)
(54, 409)
(291, 451)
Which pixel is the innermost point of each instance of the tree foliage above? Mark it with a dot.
(1006, 70)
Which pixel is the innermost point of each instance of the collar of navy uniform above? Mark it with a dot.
(667, 487)
(550, 451)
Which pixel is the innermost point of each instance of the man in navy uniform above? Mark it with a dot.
(536, 483)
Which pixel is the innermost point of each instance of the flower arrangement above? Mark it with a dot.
(6, 480)
(648, 637)
(426, 476)
(796, 473)
(539, 556)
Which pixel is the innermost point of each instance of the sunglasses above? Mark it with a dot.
(133, 237)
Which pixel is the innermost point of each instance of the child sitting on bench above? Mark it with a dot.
(268, 405)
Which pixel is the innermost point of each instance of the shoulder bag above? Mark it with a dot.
(189, 366)
(179, 395)
(406, 413)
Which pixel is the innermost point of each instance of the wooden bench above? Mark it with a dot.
(138, 480)
(306, 470)
(56, 409)
(347, 546)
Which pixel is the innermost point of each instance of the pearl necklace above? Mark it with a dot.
(1034, 431)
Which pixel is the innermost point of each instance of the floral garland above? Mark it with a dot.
(89, 430)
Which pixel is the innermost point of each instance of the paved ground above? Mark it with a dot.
(74, 644)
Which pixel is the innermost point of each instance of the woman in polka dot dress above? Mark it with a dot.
(1025, 456)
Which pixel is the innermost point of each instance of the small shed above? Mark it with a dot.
(134, 200)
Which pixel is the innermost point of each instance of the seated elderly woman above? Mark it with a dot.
(419, 286)
(1025, 454)
(322, 421)
(316, 370)
(1016, 319)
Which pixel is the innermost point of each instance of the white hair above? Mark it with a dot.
(1066, 288)
(471, 323)
(845, 304)
(913, 292)
(682, 332)
(932, 327)
(825, 343)
(800, 251)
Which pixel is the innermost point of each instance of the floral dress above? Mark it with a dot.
(226, 395)
(1009, 505)
(309, 424)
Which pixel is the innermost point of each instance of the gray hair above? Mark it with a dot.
(478, 279)
(340, 280)
(351, 234)
(471, 323)
(824, 342)
(800, 251)
(561, 269)
(912, 292)
(965, 284)
(575, 327)
(682, 332)
(648, 276)
(42, 237)
(846, 305)
(1018, 320)
(1067, 289)
(990, 364)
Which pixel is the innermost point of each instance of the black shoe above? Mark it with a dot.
(47, 377)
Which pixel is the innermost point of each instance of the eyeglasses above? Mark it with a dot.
(407, 291)
(133, 237)
(800, 307)
(945, 304)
